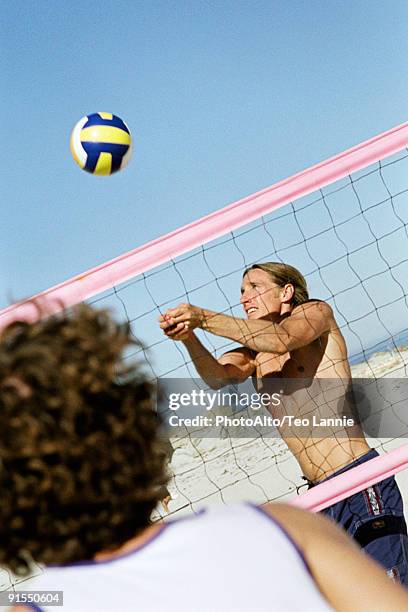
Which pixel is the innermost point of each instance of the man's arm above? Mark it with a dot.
(306, 323)
(232, 367)
(349, 579)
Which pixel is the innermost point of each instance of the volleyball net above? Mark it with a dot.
(343, 224)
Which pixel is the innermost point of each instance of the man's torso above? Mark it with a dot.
(315, 380)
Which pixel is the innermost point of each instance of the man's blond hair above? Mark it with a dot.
(283, 274)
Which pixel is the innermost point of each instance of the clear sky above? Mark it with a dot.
(223, 98)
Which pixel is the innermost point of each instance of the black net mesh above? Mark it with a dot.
(350, 241)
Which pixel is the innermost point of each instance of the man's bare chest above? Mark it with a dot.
(269, 364)
(303, 362)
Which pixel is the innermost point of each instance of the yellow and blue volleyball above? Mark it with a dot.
(101, 143)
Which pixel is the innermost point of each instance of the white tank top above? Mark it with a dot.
(227, 558)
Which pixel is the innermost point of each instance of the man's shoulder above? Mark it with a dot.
(313, 305)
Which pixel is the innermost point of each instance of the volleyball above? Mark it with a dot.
(101, 143)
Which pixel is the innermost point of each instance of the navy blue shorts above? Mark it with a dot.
(374, 517)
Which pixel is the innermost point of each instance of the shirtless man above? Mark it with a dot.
(287, 335)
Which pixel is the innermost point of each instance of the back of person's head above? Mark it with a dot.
(283, 274)
(81, 462)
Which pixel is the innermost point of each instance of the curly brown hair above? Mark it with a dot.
(82, 464)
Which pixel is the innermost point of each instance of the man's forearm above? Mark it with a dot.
(212, 372)
(257, 335)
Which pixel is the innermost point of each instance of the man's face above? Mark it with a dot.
(261, 297)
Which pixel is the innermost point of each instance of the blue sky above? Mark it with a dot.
(222, 98)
